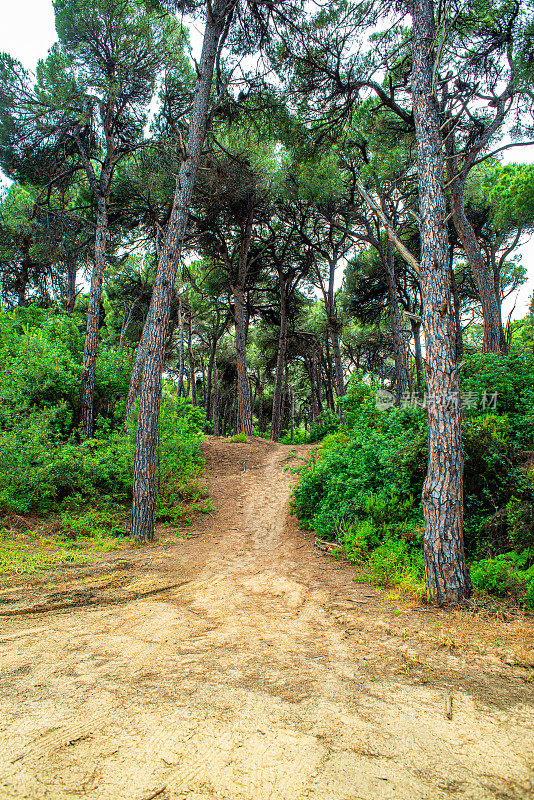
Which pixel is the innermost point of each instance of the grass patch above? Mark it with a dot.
(26, 554)
(238, 438)
(76, 536)
(182, 496)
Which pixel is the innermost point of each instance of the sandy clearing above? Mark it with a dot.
(256, 677)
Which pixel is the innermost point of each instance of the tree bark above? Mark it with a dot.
(402, 374)
(446, 572)
(416, 332)
(244, 408)
(181, 359)
(334, 327)
(292, 412)
(276, 421)
(482, 275)
(215, 405)
(310, 369)
(192, 368)
(93, 319)
(144, 484)
(72, 269)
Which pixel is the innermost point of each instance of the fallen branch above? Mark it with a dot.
(155, 794)
(44, 608)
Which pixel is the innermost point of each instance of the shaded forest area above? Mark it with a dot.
(305, 233)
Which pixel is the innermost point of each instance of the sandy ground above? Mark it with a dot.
(244, 663)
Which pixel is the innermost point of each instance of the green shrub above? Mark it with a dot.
(498, 576)
(529, 593)
(328, 422)
(511, 378)
(299, 437)
(38, 470)
(95, 523)
(396, 563)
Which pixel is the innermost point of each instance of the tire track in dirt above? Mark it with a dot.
(256, 678)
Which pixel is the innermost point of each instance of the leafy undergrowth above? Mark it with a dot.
(182, 496)
(81, 534)
(238, 438)
(66, 539)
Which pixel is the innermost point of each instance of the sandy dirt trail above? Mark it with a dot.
(266, 673)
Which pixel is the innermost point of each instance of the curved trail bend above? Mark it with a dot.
(266, 673)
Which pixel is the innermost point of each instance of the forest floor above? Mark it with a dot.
(243, 662)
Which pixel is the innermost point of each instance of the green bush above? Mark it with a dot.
(299, 437)
(511, 378)
(361, 472)
(328, 422)
(37, 470)
(41, 460)
(507, 575)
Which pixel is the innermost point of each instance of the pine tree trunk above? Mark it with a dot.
(328, 373)
(402, 376)
(292, 413)
(144, 484)
(209, 379)
(416, 331)
(310, 368)
(482, 275)
(244, 408)
(181, 359)
(339, 383)
(215, 405)
(318, 382)
(72, 269)
(260, 403)
(447, 575)
(135, 379)
(93, 319)
(276, 421)
(192, 369)
(485, 284)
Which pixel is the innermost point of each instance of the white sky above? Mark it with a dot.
(27, 31)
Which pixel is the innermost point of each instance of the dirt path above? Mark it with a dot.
(266, 673)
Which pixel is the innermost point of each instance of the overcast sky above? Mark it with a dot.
(27, 31)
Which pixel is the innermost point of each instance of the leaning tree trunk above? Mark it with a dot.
(276, 422)
(310, 369)
(144, 480)
(416, 332)
(93, 319)
(483, 277)
(447, 575)
(181, 352)
(135, 379)
(192, 367)
(244, 408)
(72, 269)
(402, 373)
